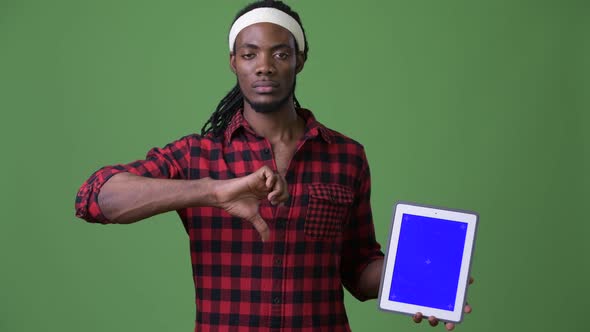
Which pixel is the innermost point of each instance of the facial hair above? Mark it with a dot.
(271, 107)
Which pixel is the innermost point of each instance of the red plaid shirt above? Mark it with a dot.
(320, 240)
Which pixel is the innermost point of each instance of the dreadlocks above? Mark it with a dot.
(234, 100)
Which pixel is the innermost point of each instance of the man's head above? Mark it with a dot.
(266, 62)
(267, 49)
(267, 11)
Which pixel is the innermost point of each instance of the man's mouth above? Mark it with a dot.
(265, 86)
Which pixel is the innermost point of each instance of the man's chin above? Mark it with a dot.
(268, 107)
(265, 107)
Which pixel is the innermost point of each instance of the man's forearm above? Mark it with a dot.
(370, 279)
(126, 198)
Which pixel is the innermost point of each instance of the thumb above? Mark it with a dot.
(261, 226)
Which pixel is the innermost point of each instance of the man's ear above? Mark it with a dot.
(299, 62)
(232, 62)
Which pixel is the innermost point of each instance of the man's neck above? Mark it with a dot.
(283, 125)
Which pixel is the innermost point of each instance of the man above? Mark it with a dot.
(276, 205)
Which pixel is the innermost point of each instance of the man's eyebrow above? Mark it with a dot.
(248, 46)
(278, 46)
(275, 47)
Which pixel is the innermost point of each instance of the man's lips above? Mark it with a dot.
(265, 86)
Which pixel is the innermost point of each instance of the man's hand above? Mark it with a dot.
(241, 197)
(433, 321)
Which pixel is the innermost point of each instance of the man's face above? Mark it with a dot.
(266, 62)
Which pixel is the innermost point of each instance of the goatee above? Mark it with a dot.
(268, 107)
(272, 106)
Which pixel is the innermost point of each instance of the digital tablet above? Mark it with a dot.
(426, 267)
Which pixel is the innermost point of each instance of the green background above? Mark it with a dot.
(480, 105)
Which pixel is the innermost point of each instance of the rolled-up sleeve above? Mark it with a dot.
(360, 246)
(169, 162)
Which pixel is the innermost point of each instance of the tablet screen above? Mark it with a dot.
(428, 262)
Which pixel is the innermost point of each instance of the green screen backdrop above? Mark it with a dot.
(480, 105)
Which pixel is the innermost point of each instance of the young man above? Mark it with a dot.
(276, 205)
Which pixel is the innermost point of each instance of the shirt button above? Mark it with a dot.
(276, 300)
(266, 151)
(278, 261)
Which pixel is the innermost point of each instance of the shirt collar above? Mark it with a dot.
(312, 127)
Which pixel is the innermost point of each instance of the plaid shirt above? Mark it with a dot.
(321, 239)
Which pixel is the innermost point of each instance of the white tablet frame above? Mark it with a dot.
(401, 208)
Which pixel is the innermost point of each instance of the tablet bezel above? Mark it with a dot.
(401, 208)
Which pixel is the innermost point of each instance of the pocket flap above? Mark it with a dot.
(335, 193)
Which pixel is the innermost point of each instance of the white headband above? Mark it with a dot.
(267, 15)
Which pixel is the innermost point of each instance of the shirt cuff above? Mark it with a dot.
(87, 206)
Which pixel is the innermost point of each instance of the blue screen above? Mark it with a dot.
(428, 262)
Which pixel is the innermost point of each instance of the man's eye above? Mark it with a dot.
(248, 56)
(282, 56)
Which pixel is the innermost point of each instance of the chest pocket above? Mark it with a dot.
(328, 209)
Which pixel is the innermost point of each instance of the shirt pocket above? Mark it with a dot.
(328, 209)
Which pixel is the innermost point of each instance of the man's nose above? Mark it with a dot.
(265, 65)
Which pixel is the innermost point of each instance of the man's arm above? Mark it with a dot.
(126, 198)
(362, 258)
(370, 279)
(169, 162)
(138, 190)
